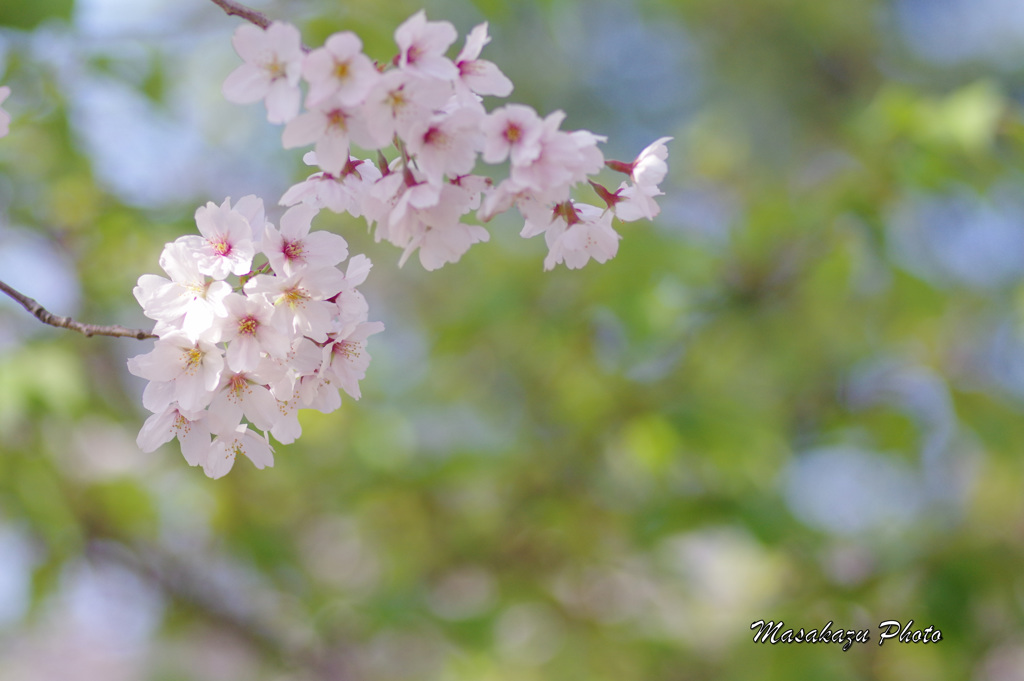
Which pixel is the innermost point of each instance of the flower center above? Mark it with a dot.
(512, 133)
(193, 357)
(182, 425)
(434, 136)
(347, 349)
(337, 119)
(341, 70)
(275, 68)
(296, 296)
(237, 385)
(396, 100)
(247, 325)
(293, 250)
(220, 246)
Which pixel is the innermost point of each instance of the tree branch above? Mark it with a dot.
(234, 9)
(47, 317)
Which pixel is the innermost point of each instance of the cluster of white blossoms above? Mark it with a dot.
(242, 347)
(234, 362)
(429, 108)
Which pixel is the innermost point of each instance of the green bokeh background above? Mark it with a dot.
(566, 475)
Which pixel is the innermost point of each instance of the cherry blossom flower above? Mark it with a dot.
(389, 202)
(242, 394)
(304, 359)
(512, 130)
(339, 69)
(479, 75)
(649, 168)
(352, 308)
(226, 245)
(332, 127)
(251, 208)
(288, 333)
(636, 200)
(398, 101)
(247, 329)
(180, 370)
(339, 193)
(446, 144)
(580, 232)
(287, 428)
(228, 445)
(439, 235)
(294, 247)
(5, 118)
(190, 428)
(272, 69)
(346, 359)
(300, 300)
(422, 45)
(188, 301)
(564, 159)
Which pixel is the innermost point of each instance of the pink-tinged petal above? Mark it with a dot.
(324, 282)
(219, 461)
(485, 78)
(303, 130)
(225, 414)
(250, 42)
(318, 66)
(407, 31)
(287, 429)
(326, 399)
(296, 221)
(158, 395)
(358, 269)
(191, 393)
(160, 364)
(251, 208)
(423, 44)
(344, 45)
(283, 101)
(245, 85)
(301, 192)
(285, 39)
(213, 366)
(260, 408)
(195, 443)
(636, 204)
(314, 320)
(157, 430)
(438, 67)
(332, 152)
(259, 451)
(325, 249)
(275, 343)
(243, 354)
(437, 36)
(475, 42)
(198, 322)
(650, 168)
(150, 287)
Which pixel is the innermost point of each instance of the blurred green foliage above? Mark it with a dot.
(566, 475)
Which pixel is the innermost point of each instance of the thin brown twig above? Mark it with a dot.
(47, 317)
(234, 9)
